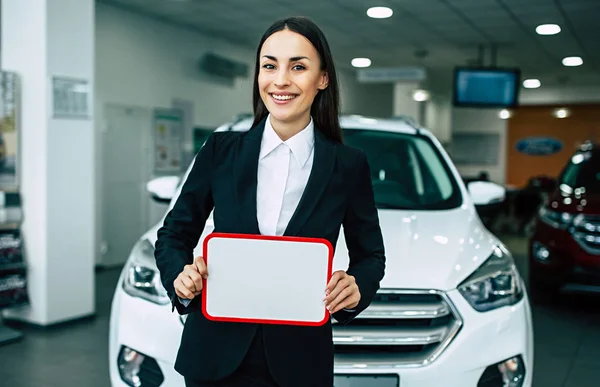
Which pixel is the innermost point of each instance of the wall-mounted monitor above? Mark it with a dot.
(486, 87)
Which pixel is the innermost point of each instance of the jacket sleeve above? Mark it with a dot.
(364, 240)
(184, 224)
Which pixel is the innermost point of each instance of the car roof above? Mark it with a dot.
(398, 124)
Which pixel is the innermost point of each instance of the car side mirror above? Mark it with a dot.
(484, 193)
(162, 189)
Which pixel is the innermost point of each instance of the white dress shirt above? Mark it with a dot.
(283, 171)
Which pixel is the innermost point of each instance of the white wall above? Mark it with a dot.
(468, 120)
(146, 63)
(370, 99)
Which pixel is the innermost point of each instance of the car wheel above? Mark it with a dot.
(543, 292)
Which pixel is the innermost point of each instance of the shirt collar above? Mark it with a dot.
(301, 144)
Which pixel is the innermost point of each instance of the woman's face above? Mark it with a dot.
(290, 76)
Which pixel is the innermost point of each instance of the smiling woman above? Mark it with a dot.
(295, 79)
(289, 175)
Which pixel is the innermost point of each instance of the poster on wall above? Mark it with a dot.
(9, 104)
(168, 139)
(70, 98)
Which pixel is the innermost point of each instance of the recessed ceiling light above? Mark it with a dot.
(420, 95)
(504, 114)
(548, 29)
(361, 62)
(562, 113)
(531, 83)
(572, 61)
(379, 12)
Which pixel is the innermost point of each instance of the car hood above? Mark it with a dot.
(424, 249)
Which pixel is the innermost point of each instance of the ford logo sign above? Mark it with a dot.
(539, 146)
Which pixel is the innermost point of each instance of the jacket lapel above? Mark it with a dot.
(245, 177)
(322, 168)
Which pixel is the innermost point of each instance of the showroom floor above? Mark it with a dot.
(567, 343)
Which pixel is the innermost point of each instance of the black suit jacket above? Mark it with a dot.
(224, 177)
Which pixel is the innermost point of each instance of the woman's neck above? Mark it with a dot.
(287, 130)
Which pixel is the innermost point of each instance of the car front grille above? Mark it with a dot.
(150, 374)
(587, 233)
(399, 329)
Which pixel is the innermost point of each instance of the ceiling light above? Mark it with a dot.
(420, 95)
(531, 83)
(572, 61)
(561, 113)
(504, 114)
(548, 29)
(379, 12)
(361, 62)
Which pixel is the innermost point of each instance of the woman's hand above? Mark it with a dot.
(342, 292)
(188, 283)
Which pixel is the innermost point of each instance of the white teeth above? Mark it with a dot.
(283, 97)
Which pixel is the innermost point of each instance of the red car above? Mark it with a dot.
(565, 247)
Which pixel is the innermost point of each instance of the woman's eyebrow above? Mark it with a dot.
(292, 59)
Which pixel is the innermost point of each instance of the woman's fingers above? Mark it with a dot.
(188, 283)
(192, 273)
(335, 278)
(337, 283)
(201, 266)
(348, 298)
(181, 288)
(342, 292)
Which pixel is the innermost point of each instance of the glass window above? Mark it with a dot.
(407, 171)
(583, 171)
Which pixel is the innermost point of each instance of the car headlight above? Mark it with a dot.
(495, 284)
(556, 219)
(142, 280)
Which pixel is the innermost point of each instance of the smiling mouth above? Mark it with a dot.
(287, 97)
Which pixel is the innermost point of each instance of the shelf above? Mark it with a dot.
(12, 266)
(10, 226)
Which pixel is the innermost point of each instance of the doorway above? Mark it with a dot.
(125, 171)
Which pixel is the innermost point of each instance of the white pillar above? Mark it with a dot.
(439, 116)
(43, 39)
(404, 104)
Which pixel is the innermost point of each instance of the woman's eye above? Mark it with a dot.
(268, 66)
(299, 67)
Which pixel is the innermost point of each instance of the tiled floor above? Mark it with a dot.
(71, 355)
(567, 343)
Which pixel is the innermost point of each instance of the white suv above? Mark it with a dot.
(452, 309)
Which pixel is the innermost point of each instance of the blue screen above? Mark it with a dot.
(486, 87)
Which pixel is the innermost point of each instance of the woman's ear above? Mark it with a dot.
(324, 81)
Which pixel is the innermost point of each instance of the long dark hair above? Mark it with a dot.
(325, 107)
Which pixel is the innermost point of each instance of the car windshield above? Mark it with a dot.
(407, 171)
(583, 170)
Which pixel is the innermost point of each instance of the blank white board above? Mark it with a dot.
(266, 279)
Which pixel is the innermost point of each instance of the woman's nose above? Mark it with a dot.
(282, 78)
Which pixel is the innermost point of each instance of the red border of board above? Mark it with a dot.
(265, 237)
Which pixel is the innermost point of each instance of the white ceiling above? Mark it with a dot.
(449, 31)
